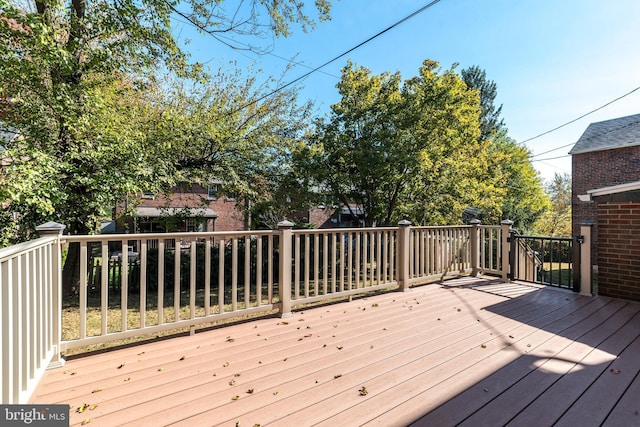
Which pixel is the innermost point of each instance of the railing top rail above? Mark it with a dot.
(495, 227)
(14, 250)
(439, 227)
(559, 239)
(341, 230)
(165, 236)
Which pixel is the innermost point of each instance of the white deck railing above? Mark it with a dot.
(135, 285)
(30, 315)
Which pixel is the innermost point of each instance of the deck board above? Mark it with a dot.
(470, 351)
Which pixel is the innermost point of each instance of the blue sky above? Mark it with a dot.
(553, 60)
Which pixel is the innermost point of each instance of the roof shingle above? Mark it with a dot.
(609, 134)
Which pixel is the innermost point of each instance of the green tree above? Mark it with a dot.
(69, 68)
(491, 124)
(58, 59)
(403, 148)
(556, 221)
(518, 183)
(524, 198)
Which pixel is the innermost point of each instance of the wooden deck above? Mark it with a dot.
(467, 352)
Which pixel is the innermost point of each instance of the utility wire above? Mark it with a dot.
(575, 120)
(550, 158)
(307, 74)
(248, 47)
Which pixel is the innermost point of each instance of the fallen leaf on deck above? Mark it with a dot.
(127, 379)
(235, 398)
(82, 408)
(483, 346)
(339, 347)
(85, 421)
(275, 392)
(232, 383)
(96, 390)
(615, 371)
(336, 376)
(225, 364)
(182, 358)
(160, 369)
(363, 391)
(237, 374)
(250, 391)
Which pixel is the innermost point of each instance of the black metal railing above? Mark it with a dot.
(544, 260)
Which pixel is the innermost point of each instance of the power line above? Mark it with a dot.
(550, 158)
(575, 120)
(307, 74)
(231, 45)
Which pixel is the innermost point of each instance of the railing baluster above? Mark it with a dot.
(325, 264)
(307, 263)
(176, 280)
(143, 283)
(316, 264)
(270, 256)
(83, 290)
(259, 270)
(247, 271)
(234, 274)
(221, 246)
(161, 245)
(192, 279)
(207, 275)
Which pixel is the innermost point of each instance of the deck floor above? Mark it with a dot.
(469, 352)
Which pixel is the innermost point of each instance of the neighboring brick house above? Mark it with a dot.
(606, 192)
(193, 208)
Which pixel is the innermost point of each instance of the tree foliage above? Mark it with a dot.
(523, 197)
(77, 82)
(409, 148)
(556, 221)
(491, 124)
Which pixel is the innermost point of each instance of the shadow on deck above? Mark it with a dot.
(469, 351)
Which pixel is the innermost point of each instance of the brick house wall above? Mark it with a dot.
(619, 248)
(229, 216)
(598, 169)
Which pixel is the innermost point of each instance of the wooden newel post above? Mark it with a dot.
(284, 279)
(506, 240)
(404, 236)
(586, 281)
(45, 230)
(475, 246)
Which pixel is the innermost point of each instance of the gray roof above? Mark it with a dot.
(616, 133)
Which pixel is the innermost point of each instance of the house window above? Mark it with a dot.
(193, 225)
(232, 196)
(212, 192)
(148, 195)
